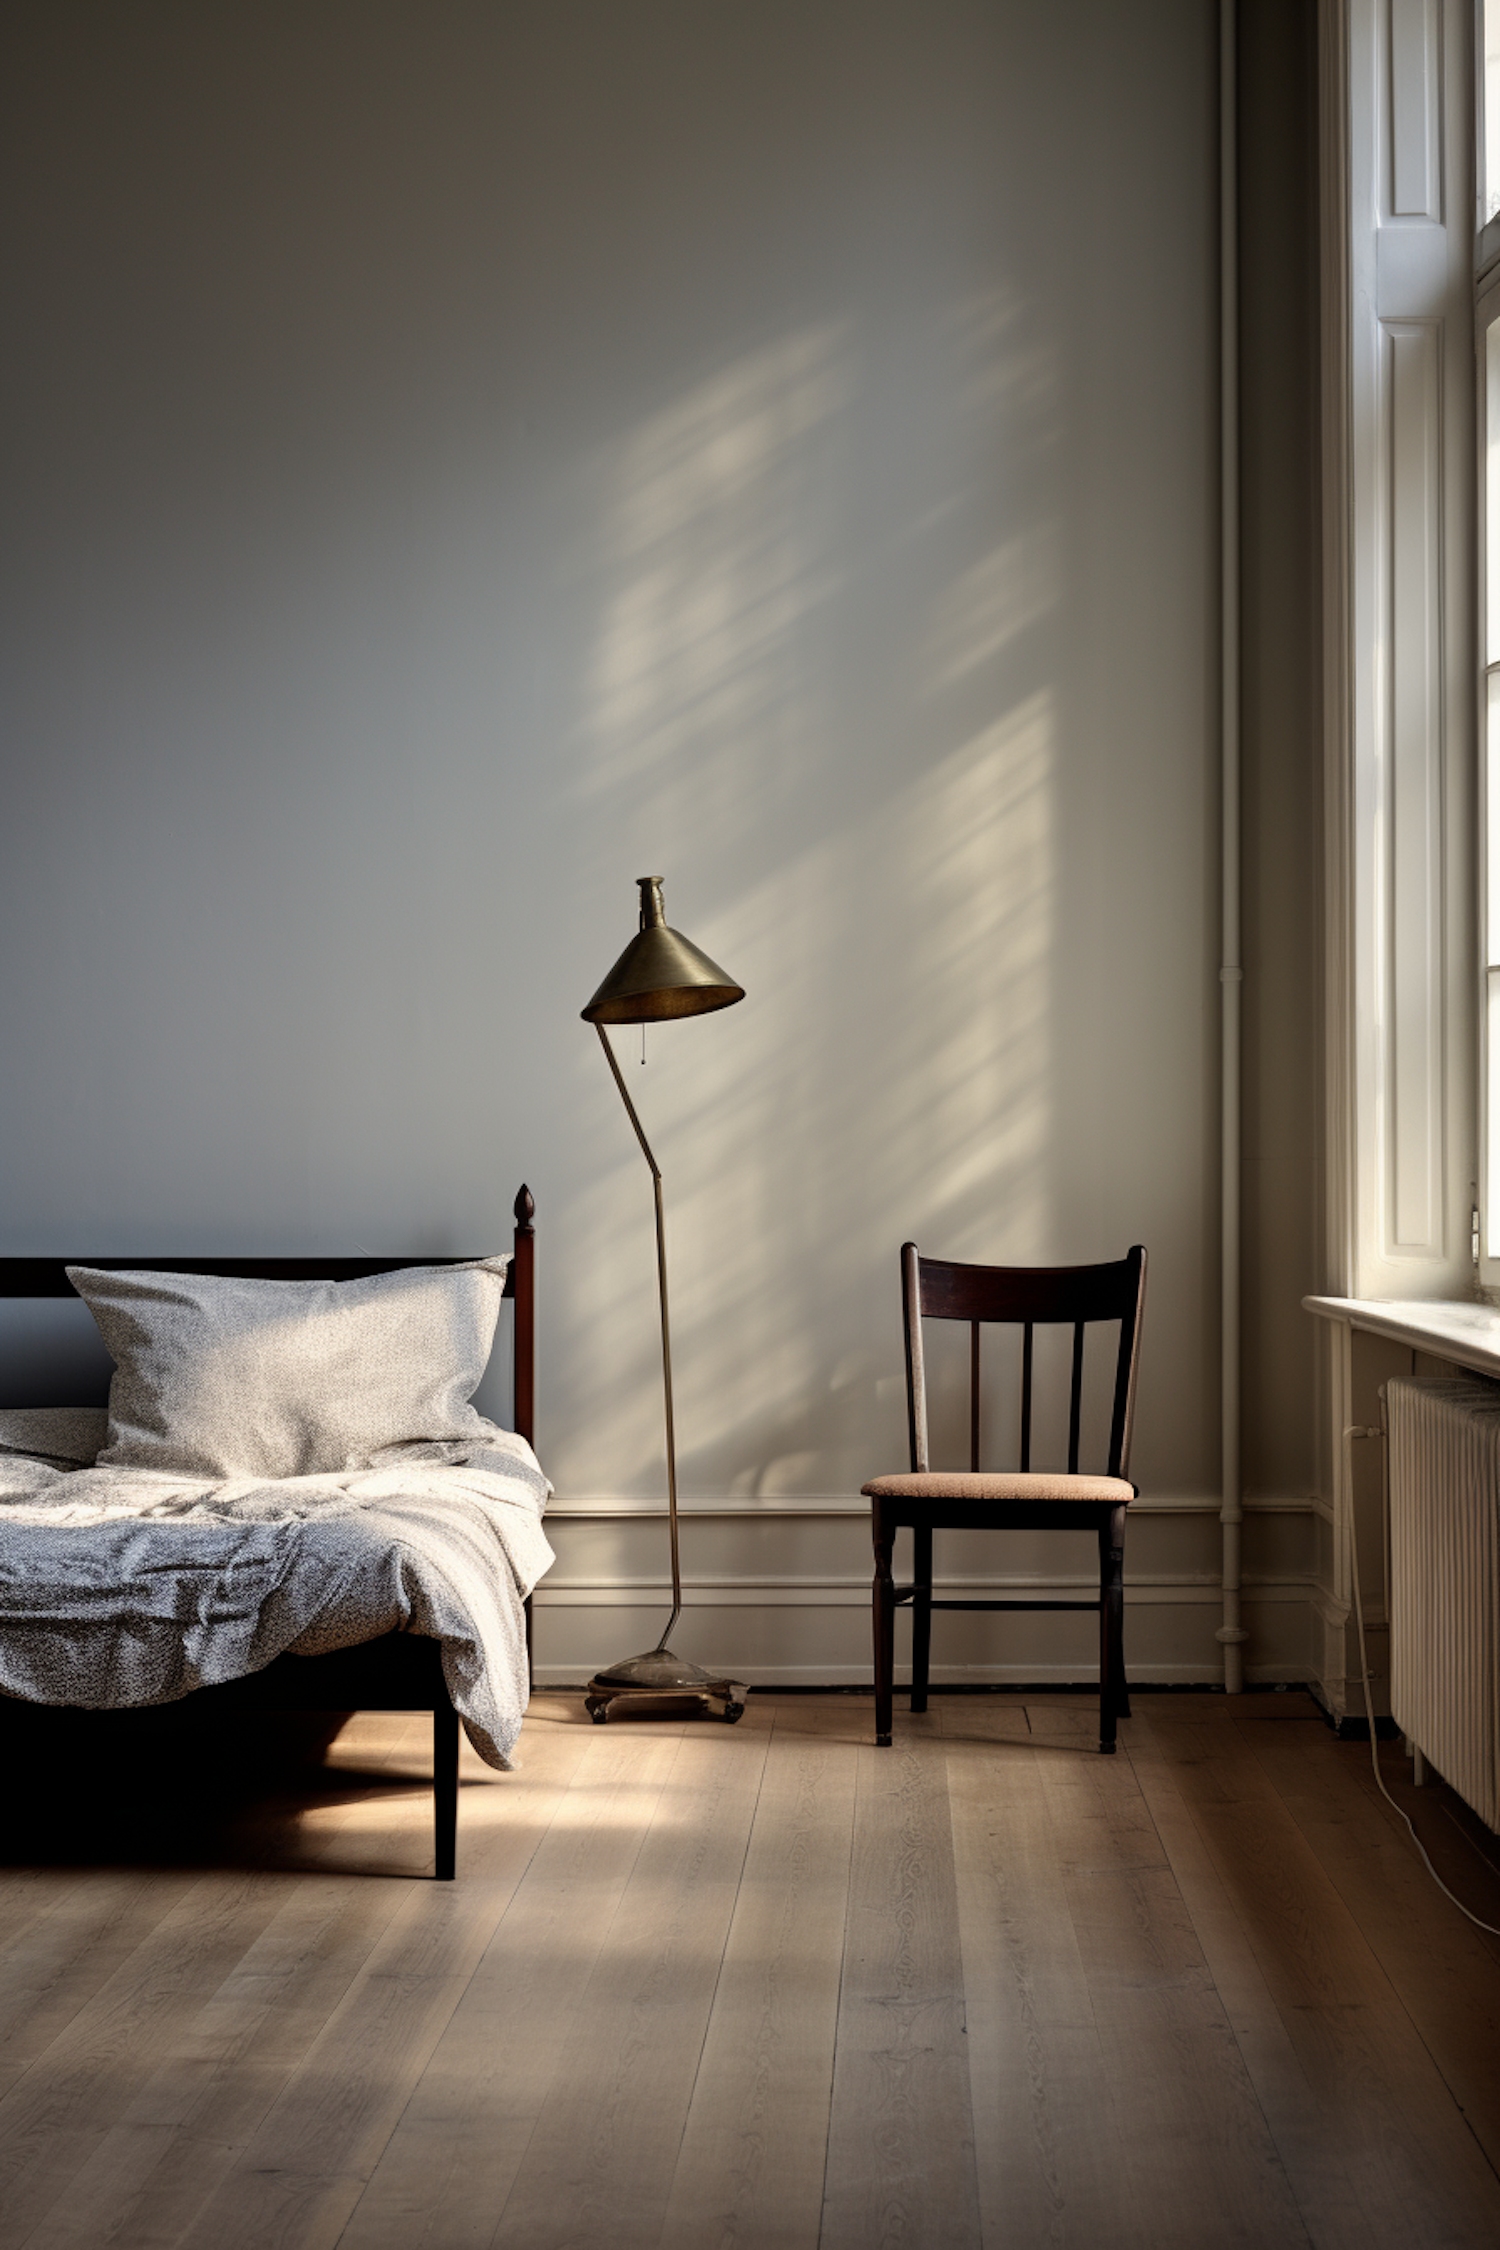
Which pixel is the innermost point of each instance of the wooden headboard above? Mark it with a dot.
(48, 1277)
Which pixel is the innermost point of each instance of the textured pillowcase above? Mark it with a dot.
(66, 1434)
(217, 1377)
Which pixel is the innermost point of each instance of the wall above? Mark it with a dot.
(462, 458)
(1281, 719)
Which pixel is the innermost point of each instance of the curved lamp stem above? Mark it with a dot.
(666, 1333)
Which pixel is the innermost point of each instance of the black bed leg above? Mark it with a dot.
(445, 1792)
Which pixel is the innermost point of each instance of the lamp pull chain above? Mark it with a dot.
(643, 1046)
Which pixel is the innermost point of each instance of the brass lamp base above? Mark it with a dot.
(658, 1680)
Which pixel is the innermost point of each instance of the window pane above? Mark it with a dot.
(1492, 1120)
(1492, 820)
(1492, 490)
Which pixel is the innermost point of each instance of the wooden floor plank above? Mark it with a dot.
(750, 2170)
(231, 2061)
(1192, 1994)
(336, 2110)
(1199, 2161)
(901, 2159)
(1102, 1824)
(1322, 2181)
(848, 1719)
(61, 1960)
(599, 2163)
(1421, 2171)
(1464, 1851)
(214, 2061)
(1417, 2167)
(1065, 1719)
(28, 1896)
(82, 2082)
(1049, 2166)
(77, 2125)
(1187, 2124)
(1140, 1951)
(1444, 1972)
(982, 1718)
(223, 2071)
(1310, 1950)
(438, 2184)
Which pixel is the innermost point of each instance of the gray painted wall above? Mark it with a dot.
(461, 458)
(1282, 733)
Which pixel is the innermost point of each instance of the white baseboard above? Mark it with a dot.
(611, 1506)
(1189, 1587)
(857, 1678)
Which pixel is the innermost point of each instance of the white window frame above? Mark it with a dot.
(1486, 229)
(1487, 588)
(1402, 1104)
(1487, 425)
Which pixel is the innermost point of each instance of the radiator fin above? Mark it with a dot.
(1445, 1584)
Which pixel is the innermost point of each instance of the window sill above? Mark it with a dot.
(1468, 1334)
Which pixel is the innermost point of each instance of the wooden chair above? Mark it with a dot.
(1025, 1500)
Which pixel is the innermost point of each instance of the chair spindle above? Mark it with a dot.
(1075, 1402)
(1026, 1397)
(974, 1395)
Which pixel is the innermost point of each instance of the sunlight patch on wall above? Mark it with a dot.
(814, 706)
(994, 603)
(810, 1116)
(715, 554)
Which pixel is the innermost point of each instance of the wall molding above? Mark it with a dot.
(856, 1677)
(610, 1507)
(846, 1592)
(810, 1626)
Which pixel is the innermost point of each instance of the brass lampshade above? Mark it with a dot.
(661, 973)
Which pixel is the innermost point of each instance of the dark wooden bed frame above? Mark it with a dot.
(398, 1671)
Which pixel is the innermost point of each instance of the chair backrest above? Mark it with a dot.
(1026, 1297)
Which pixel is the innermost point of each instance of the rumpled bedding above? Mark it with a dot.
(122, 1586)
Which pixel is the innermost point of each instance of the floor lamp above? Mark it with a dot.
(659, 976)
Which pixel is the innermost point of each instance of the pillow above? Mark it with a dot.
(70, 1435)
(218, 1377)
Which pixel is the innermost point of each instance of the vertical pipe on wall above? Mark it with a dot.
(1231, 1634)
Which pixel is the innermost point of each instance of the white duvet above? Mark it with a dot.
(122, 1586)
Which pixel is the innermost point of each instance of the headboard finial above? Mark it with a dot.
(525, 1208)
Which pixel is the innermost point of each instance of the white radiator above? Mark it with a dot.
(1445, 1580)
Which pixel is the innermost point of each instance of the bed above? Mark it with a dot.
(401, 1581)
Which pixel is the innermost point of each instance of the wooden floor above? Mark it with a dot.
(701, 1986)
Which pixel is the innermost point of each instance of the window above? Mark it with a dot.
(1488, 167)
(1487, 332)
(1487, 340)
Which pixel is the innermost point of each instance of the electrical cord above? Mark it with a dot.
(1355, 1430)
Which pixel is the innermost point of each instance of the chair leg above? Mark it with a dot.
(883, 1621)
(445, 1792)
(1117, 1544)
(1114, 1698)
(921, 1616)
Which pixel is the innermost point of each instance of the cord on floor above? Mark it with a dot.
(1351, 1433)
